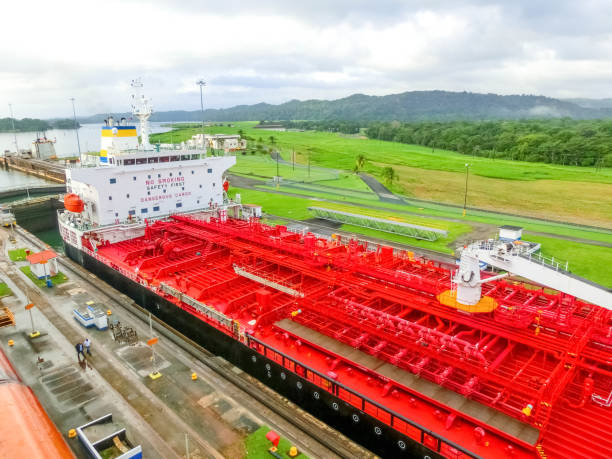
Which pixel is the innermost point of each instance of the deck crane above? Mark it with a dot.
(514, 259)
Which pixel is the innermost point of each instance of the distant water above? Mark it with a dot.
(66, 141)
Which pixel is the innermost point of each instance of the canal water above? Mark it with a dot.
(65, 139)
(9, 180)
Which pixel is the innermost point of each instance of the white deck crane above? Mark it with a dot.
(512, 258)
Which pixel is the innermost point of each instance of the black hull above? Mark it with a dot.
(355, 424)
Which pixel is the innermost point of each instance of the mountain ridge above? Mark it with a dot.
(435, 105)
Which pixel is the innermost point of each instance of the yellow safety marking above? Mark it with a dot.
(449, 298)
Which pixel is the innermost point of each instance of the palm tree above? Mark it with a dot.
(388, 174)
(360, 162)
(221, 143)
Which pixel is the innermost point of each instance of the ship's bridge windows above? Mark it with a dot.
(153, 159)
(164, 159)
(113, 180)
(144, 210)
(185, 157)
(196, 156)
(155, 208)
(175, 158)
(132, 212)
(141, 160)
(179, 204)
(129, 162)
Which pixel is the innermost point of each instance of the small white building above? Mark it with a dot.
(43, 263)
(510, 233)
(225, 142)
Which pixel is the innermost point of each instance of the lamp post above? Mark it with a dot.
(202, 83)
(467, 173)
(76, 129)
(14, 131)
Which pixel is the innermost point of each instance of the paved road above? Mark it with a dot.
(384, 193)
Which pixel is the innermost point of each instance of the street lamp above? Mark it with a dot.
(76, 129)
(467, 173)
(202, 83)
(14, 131)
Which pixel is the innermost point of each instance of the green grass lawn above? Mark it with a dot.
(264, 166)
(591, 262)
(563, 193)
(59, 278)
(17, 254)
(4, 290)
(257, 446)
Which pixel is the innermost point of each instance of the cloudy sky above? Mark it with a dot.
(277, 50)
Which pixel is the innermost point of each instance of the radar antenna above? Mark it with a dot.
(141, 109)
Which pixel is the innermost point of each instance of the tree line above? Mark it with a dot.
(345, 127)
(558, 141)
(34, 125)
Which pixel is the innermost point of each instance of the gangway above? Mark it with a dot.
(389, 226)
(511, 258)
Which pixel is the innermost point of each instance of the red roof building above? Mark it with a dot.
(43, 263)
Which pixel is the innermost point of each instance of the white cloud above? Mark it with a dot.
(275, 51)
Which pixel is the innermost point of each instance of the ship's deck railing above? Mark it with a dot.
(83, 225)
(395, 420)
(522, 250)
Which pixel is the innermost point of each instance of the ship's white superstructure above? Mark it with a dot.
(148, 184)
(131, 185)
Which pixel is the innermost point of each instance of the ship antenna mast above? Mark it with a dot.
(141, 109)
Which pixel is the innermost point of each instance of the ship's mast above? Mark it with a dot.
(141, 109)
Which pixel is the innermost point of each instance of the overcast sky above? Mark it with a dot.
(277, 50)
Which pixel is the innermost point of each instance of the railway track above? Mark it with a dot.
(327, 441)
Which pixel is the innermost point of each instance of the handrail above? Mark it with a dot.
(393, 414)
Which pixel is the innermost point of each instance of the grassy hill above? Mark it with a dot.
(550, 191)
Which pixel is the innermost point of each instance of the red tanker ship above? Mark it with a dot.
(368, 331)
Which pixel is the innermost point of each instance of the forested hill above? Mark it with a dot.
(34, 125)
(407, 106)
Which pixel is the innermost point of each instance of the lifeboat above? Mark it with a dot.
(27, 430)
(73, 203)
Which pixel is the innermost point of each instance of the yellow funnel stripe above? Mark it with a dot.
(119, 133)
